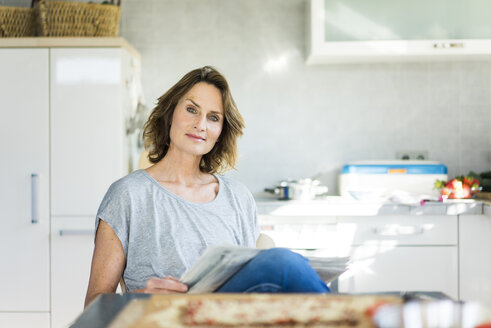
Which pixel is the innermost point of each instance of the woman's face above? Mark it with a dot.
(197, 120)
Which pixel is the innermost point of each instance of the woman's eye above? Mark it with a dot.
(214, 118)
(191, 110)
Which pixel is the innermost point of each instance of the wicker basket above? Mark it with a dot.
(17, 22)
(62, 18)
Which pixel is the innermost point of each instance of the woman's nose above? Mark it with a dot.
(200, 123)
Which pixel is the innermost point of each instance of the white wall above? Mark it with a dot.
(303, 120)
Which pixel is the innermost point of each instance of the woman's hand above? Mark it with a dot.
(166, 285)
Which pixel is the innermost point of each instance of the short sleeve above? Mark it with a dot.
(252, 222)
(255, 223)
(115, 211)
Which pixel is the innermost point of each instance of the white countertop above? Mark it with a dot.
(340, 206)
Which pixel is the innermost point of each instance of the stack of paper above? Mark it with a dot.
(329, 268)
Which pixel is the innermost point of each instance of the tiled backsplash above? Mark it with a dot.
(303, 120)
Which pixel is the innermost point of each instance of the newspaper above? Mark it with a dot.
(329, 268)
(219, 263)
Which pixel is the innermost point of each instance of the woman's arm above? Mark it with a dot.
(108, 263)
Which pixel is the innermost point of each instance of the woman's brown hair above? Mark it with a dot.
(156, 132)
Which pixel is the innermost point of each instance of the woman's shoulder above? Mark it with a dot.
(122, 192)
(235, 186)
(230, 182)
(131, 181)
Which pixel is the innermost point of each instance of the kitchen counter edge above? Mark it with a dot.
(338, 206)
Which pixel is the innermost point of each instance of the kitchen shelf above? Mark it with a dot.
(70, 42)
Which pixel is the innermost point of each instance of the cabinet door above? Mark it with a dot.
(385, 267)
(24, 181)
(358, 31)
(87, 128)
(475, 255)
(72, 244)
(24, 320)
(355, 20)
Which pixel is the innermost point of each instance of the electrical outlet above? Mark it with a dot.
(412, 155)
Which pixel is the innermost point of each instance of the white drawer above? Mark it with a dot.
(24, 319)
(401, 230)
(342, 232)
(300, 232)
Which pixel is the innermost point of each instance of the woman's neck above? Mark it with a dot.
(178, 167)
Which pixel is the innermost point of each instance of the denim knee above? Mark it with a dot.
(284, 255)
(280, 258)
(292, 270)
(276, 270)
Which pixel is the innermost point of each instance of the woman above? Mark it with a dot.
(153, 224)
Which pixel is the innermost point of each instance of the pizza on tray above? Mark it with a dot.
(261, 310)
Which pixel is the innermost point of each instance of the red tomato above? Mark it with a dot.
(464, 191)
(372, 309)
(455, 189)
(484, 325)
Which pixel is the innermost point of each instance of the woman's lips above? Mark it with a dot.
(195, 137)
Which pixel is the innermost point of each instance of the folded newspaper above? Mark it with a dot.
(219, 263)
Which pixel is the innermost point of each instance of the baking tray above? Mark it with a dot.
(106, 307)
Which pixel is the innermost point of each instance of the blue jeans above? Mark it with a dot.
(275, 270)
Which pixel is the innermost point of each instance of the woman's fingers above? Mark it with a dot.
(170, 277)
(166, 285)
(182, 285)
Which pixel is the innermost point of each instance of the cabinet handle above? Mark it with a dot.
(446, 45)
(75, 232)
(398, 230)
(34, 198)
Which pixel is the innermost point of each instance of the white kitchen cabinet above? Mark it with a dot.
(402, 253)
(72, 244)
(475, 257)
(87, 127)
(24, 188)
(63, 140)
(381, 268)
(357, 31)
(388, 252)
(24, 320)
(89, 91)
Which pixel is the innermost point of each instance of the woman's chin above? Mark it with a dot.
(196, 151)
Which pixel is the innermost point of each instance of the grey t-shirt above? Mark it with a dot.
(163, 234)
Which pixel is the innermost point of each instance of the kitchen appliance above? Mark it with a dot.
(302, 189)
(375, 180)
